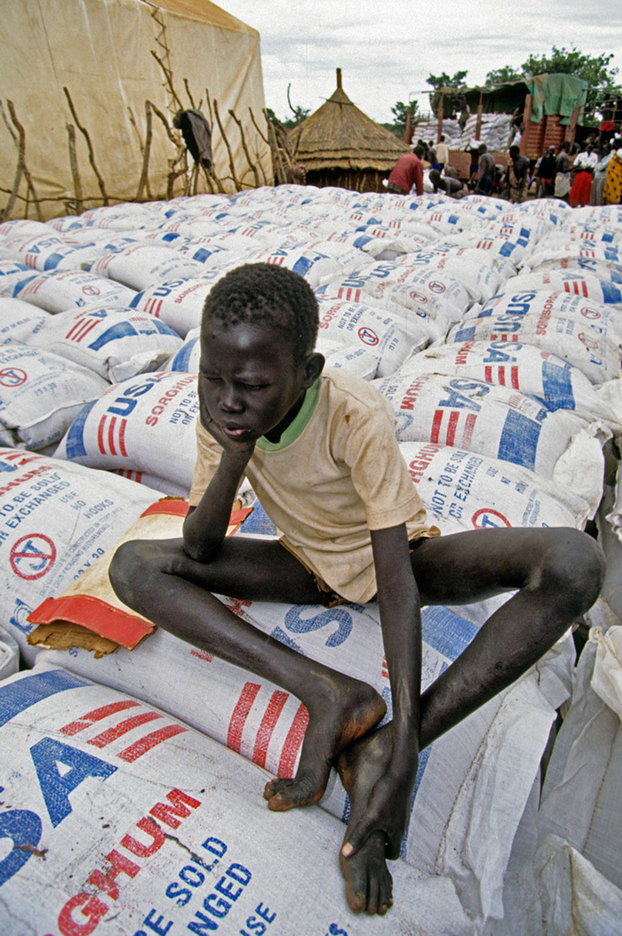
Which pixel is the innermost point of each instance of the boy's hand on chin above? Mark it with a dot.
(240, 448)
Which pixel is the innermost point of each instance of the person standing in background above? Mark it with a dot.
(545, 174)
(562, 172)
(442, 154)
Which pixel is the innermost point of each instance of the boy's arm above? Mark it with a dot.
(400, 615)
(205, 526)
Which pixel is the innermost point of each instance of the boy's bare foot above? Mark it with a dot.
(344, 710)
(369, 885)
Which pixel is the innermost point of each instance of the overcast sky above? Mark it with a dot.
(387, 48)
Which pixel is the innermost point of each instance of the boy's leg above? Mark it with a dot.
(558, 574)
(158, 580)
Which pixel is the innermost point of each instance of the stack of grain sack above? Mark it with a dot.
(494, 330)
(494, 131)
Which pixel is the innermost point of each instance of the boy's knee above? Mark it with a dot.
(127, 570)
(577, 567)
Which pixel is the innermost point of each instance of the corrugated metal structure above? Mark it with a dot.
(340, 145)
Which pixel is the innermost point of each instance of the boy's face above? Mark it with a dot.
(248, 381)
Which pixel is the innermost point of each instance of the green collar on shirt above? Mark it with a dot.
(297, 425)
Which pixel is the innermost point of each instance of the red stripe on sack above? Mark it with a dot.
(89, 325)
(96, 715)
(514, 338)
(100, 434)
(453, 425)
(73, 328)
(129, 755)
(488, 373)
(128, 724)
(293, 742)
(111, 448)
(501, 375)
(240, 714)
(514, 377)
(436, 425)
(468, 429)
(122, 427)
(268, 723)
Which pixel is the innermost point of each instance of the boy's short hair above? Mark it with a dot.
(263, 293)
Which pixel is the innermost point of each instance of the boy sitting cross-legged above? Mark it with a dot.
(320, 452)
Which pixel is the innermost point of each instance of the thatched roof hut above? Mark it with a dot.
(339, 145)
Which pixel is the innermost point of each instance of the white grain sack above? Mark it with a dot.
(541, 374)
(486, 418)
(19, 320)
(595, 354)
(114, 343)
(73, 289)
(56, 518)
(463, 490)
(145, 828)
(370, 327)
(40, 395)
(136, 425)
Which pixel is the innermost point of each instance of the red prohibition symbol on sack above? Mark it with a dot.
(488, 517)
(91, 290)
(12, 376)
(368, 336)
(588, 313)
(32, 556)
(437, 287)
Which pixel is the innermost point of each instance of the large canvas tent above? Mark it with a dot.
(340, 145)
(113, 56)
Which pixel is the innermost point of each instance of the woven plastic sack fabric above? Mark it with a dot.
(463, 490)
(368, 326)
(583, 345)
(56, 518)
(136, 424)
(600, 317)
(179, 303)
(141, 265)
(156, 821)
(496, 421)
(114, 343)
(73, 289)
(541, 374)
(18, 320)
(576, 282)
(40, 395)
(265, 724)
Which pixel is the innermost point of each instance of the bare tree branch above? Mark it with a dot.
(85, 134)
(73, 162)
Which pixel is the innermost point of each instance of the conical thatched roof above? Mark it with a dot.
(340, 136)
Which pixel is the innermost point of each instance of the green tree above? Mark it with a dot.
(502, 75)
(453, 102)
(446, 81)
(400, 114)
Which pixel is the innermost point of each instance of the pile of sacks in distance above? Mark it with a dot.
(493, 329)
(494, 132)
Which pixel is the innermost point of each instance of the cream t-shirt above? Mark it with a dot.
(336, 474)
